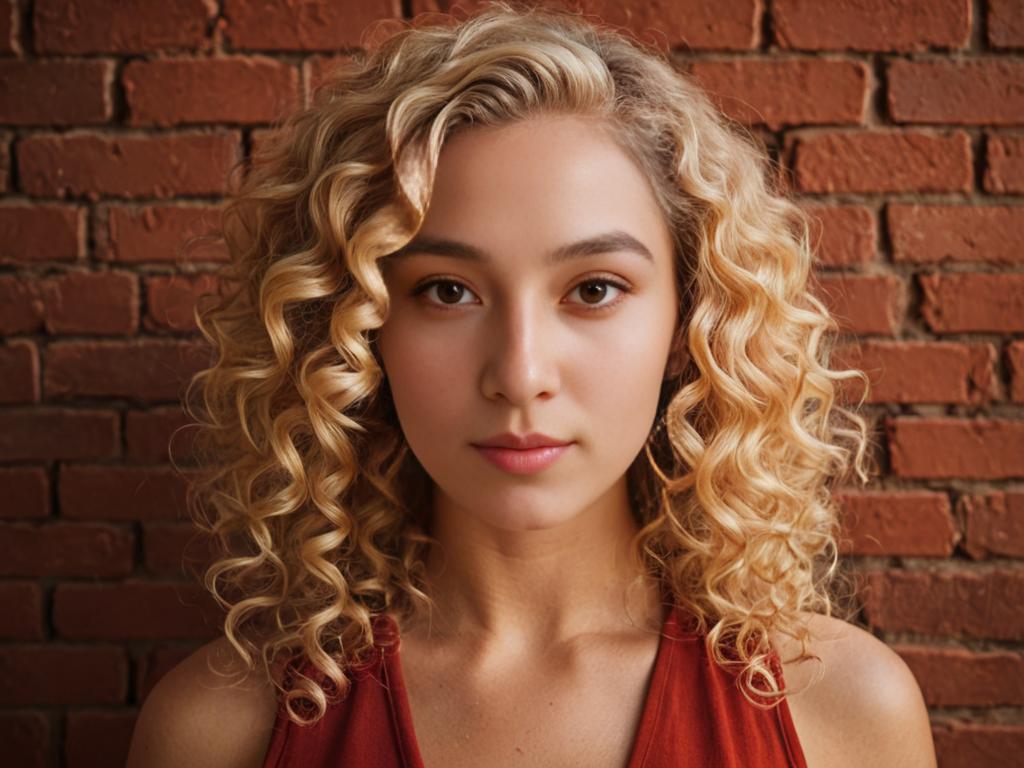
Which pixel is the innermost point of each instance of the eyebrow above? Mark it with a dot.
(609, 242)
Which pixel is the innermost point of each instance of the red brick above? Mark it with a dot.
(957, 373)
(957, 233)
(91, 550)
(55, 92)
(975, 449)
(91, 302)
(966, 301)
(699, 24)
(316, 69)
(107, 492)
(9, 25)
(21, 307)
(59, 674)
(1015, 365)
(154, 665)
(26, 739)
(74, 302)
(972, 745)
(253, 89)
(967, 604)
(1004, 163)
(172, 300)
(120, 26)
(980, 92)
(25, 491)
(177, 550)
(144, 370)
(19, 372)
(843, 235)
(863, 303)
(134, 611)
(872, 25)
(994, 524)
(160, 233)
(915, 523)
(34, 233)
(783, 92)
(955, 677)
(1005, 24)
(21, 610)
(99, 737)
(93, 165)
(58, 434)
(157, 435)
(883, 161)
(281, 25)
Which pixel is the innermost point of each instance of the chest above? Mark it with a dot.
(584, 710)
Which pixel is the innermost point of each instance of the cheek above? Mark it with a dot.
(424, 377)
(625, 363)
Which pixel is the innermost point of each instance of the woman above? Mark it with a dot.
(520, 434)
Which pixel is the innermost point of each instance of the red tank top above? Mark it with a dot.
(694, 715)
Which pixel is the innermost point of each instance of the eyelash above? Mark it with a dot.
(623, 287)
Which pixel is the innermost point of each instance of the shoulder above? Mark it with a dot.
(860, 705)
(200, 716)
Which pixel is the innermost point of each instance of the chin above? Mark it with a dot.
(519, 514)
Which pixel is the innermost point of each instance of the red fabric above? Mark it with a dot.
(694, 715)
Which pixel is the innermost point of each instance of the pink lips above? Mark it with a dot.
(522, 455)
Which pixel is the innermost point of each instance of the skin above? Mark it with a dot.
(510, 666)
(519, 348)
(521, 344)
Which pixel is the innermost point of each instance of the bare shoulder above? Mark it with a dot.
(205, 712)
(860, 705)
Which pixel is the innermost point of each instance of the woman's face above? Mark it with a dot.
(504, 320)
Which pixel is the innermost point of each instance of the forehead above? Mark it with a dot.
(546, 180)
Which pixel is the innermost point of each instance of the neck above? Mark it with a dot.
(520, 589)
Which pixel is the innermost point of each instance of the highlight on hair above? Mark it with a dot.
(316, 504)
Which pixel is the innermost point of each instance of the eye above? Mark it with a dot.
(587, 289)
(449, 291)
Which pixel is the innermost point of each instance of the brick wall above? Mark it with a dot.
(897, 122)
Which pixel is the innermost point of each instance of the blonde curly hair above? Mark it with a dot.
(306, 485)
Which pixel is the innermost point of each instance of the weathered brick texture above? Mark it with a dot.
(1005, 24)
(787, 92)
(58, 92)
(1004, 166)
(969, 301)
(959, 373)
(167, 92)
(120, 26)
(843, 235)
(872, 25)
(697, 24)
(94, 165)
(984, 92)
(978, 449)
(158, 233)
(883, 161)
(39, 233)
(916, 523)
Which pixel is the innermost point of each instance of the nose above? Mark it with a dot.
(521, 362)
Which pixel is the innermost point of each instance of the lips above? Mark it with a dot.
(529, 441)
(522, 454)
